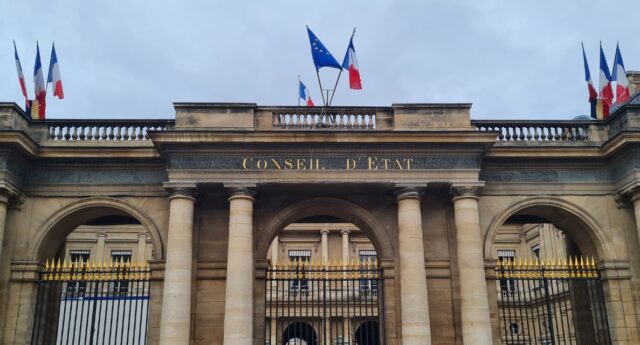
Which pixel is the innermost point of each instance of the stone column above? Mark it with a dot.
(416, 329)
(176, 294)
(474, 300)
(345, 246)
(238, 306)
(324, 244)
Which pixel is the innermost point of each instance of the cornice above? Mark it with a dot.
(319, 136)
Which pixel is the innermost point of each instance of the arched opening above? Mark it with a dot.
(95, 283)
(324, 272)
(299, 333)
(547, 282)
(368, 333)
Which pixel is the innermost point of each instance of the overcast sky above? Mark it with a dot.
(132, 59)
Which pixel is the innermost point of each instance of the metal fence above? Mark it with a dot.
(314, 303)
(551, 302)
(89, 303)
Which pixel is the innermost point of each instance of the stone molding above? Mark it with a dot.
(181, 190)
(241, 192)
(409, 192)
(466, 190)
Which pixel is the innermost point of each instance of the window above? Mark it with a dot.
(507, 285)
(536, 251)
(79, 255)
(77, 289)
(120, 287)
(514, 329)
(365, 257)
(118, 256)
(296, 256)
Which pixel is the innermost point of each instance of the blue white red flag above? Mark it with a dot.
(620, 77)
(606, 91)
(23, 86)
(54, 74)
(593, 94)
(303, 93)
(350, 63)
(321, 55)
(38, 81)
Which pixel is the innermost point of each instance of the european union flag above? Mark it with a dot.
(321, 55)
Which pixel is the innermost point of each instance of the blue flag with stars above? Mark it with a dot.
(321, 55)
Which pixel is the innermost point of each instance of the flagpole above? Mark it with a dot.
(298, 87)
(46, 82)
(340, 73)
(320, 83)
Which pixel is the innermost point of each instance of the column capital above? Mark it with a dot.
(345, 232)
(186, 190)
(241, 191)
(11, 196)
(324, 231)
(409, 191)
(466, 190)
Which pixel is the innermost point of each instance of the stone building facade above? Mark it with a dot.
(431, 189)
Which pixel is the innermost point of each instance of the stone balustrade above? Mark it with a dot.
(104, 130)
(330, 118)
(536, 131)
(440, 118)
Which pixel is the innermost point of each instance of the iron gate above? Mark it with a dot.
(101, 304)
(313, 303)
(551, 302)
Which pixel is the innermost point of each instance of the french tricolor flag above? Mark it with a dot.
(23, 86)
(620, 77)
(606, 91)
(38, 81)
(303, 93)
(350, 63)
(593, 94)
(54, 74)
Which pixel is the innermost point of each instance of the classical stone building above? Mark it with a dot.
(202, 202)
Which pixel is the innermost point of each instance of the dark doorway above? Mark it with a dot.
(299, 333)
(368, 333)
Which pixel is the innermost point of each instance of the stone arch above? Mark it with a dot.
(345, 210)
(52, 233)
(573, 219)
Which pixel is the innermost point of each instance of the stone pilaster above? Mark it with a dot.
(4, 202)
(176, 295)
(238, 306)
(635, 199)
(474, 300)
(416, 329)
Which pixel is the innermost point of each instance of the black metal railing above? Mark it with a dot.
(324, 304)
(89, 303)
(551, 302)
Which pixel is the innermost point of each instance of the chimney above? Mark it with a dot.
(634, 81)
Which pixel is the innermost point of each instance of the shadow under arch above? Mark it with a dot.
(577, 223)
(339, 208)
(61, 223)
